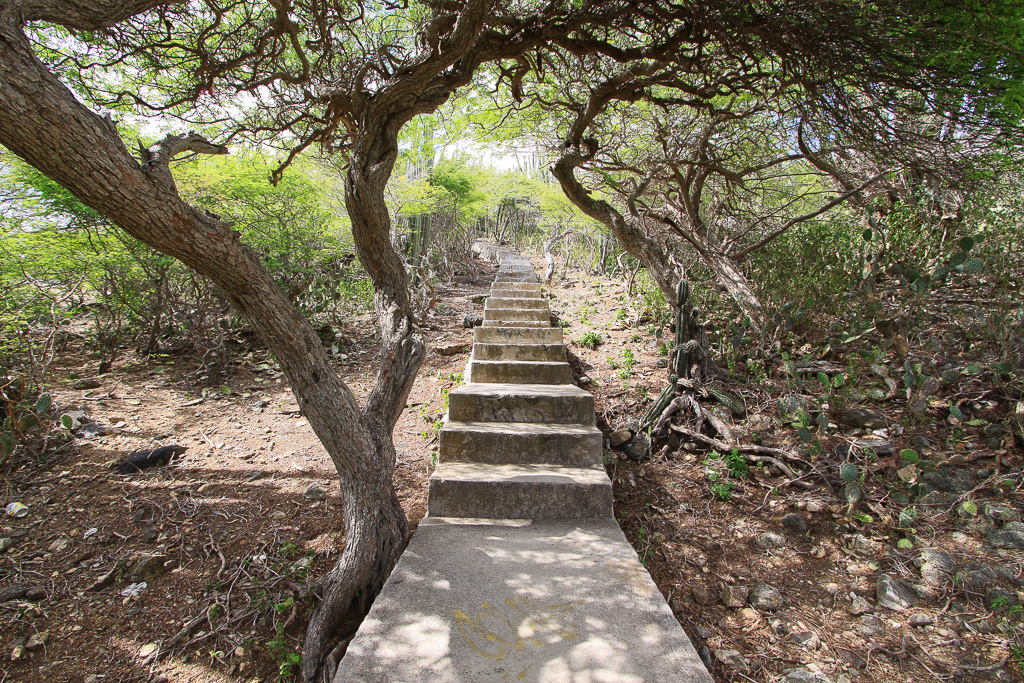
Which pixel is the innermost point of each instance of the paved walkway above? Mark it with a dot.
(520, 572)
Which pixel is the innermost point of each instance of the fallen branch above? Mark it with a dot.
(752, 452)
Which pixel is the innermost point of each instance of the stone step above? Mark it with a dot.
(539, 314)
(517, 335)
(462, 489)
(504, 292)
(520, 443)
(550, 403)
(513, 277)
(516, 323)
(517, 302)
(543, 601)
(523, 286)
(545, 352)
(517, 372)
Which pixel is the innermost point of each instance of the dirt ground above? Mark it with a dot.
(225, 536)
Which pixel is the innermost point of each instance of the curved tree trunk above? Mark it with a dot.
(737, 285)
(42, 122)
(657, 258)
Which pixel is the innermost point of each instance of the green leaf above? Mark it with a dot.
(970, 507)
(910, 455)
(823, 378)
(977, 422)
(967, 243)
(954, 411)
(849, 472)
(805, 435)
(7, 443)
(905, 544)
(67, 421)
(863, 517)
(225, 390)
(837, 381)
(867, 235)
(909, 380)
(975, 265)
(957, 259)
(43, 404)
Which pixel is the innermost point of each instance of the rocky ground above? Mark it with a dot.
(883, 543)
(896, 554)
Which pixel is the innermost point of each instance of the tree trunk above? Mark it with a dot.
(657, 258)
(42, 122)
(737, 285)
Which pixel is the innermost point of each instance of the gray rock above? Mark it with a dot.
(859, 606)
(977, 576)
(929, 497)
(619, 437)
(894, 595)
(35, 594)
(13, 592)
(471, 321)
(804, 676)
(806, 639)
(998, 600)
(920, 442)
(314, 492)
(146, 568)
(731, 659)
(795, 523)
(735, 596)
(871, 626)
(765, 597)
(1010, 536)
(6, 544)
(1008, 574)
(770, 539)
(862, 417)
(94, 429)
(661, 363)
(702, 632)
(87, 383)
(1001, 513)
(937, 566)
(950, 480)
(701, 595)
(921, 619)
(638, 448)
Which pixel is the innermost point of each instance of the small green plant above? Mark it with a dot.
(590, 340)
(621, 315)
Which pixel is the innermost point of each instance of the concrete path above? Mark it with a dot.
(520, 572)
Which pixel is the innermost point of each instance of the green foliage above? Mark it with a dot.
(590, 339)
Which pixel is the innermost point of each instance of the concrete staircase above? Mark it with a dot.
(519, 572)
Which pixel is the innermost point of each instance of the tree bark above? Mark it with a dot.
(737, 285)
(42, 122)
(657, 258)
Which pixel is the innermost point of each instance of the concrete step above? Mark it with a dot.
(545, 352)
(516, 323)
(552, 601)
(517, 335)
(515, 302)
(461, 489)
(517, 372)
(550, 403)
(524, 286)
(520, 443)
(514, 277)
(504, 292)
(539, 314)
